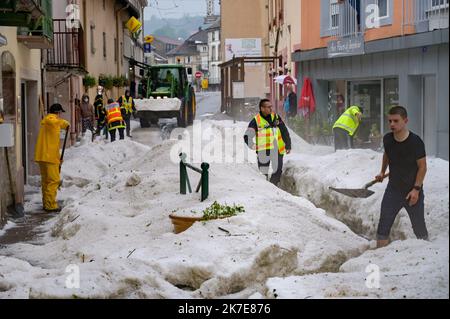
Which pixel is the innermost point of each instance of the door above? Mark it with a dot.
(429, 115)
(23, 114)
(368, 96)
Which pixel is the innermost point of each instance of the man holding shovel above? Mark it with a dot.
(406, 158)
(48, 157)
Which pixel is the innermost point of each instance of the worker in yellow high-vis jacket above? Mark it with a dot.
(346, 127)
(47, 155)
(273, 141)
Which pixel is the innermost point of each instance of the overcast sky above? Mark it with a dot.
(177, 8)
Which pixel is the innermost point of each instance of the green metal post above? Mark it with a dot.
(183, 174)
(205, 181)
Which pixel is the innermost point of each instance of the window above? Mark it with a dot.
(115, 49)
(104, 4)
(121, 53)
(213, 49)
(104, 45)
(383, 6)
(334, 14)
(92, 38)
(436, 4)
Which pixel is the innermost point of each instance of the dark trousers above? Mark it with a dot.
(342, 140)
(265, 158)
(127, 119)
(86, 124)
(113, 134)
(393, 202)
(101, 125)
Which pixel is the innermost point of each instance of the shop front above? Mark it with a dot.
(416, 78)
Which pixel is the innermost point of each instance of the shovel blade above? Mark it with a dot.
(354, 193)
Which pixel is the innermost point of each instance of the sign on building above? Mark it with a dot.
(147, 48)
(346, 47)
(239, 48)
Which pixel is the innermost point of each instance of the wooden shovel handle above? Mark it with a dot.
(375, 181)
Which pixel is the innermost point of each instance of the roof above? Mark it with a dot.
(214, 26)
(201, 35)
(186, 49)
(189, 47)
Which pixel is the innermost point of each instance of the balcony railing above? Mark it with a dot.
(425, 15)
(33, 19)
(68, 49)
(345, 19)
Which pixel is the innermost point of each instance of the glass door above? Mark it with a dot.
(368, 96)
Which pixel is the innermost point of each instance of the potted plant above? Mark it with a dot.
(215, 211)
(89, 82)
(106, 81)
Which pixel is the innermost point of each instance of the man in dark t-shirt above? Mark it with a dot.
(406, 158)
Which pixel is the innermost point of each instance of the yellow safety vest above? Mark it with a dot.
(265, 135)
(127, 105)
(349, 120)
(114, 117)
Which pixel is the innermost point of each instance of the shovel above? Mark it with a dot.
(62, 155)
(358, 193)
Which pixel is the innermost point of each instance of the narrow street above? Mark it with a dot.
(232, 150)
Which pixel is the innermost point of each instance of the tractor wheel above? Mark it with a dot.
(181, 118)
(144, 122)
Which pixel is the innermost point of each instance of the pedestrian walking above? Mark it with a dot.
(87, 116)
(127, 108)
(273, 141)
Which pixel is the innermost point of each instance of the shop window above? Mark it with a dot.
(391, 98)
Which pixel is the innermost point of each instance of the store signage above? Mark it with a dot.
(346, 47)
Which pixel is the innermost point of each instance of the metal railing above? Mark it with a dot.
(184, 177)
(345, 19)
(68, 49)
(426, 15)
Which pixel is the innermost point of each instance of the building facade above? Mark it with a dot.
(22, 38)
(284, 39)
(161, 46)
(244, 34)
(193, 54)
(98, 43)
(377, 54)
(215, 54)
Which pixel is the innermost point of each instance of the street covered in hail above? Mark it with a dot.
(114, 237)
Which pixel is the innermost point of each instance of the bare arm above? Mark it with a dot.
(422, 164)
(384, 166)
(414, 194)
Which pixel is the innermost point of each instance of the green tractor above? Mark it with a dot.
(166, 93)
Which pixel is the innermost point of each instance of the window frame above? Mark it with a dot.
(333, 4)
